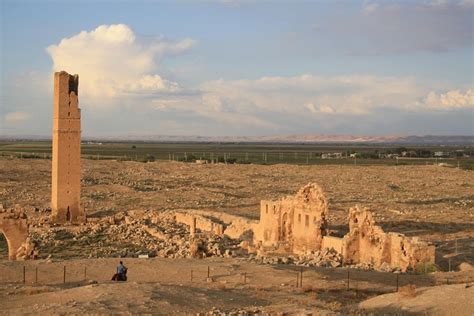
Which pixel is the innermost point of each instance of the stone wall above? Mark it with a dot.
(196, 221)
(331, 242)
(368, 243)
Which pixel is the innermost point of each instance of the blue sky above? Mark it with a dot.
(241, 67)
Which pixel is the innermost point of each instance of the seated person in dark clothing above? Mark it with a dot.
(121, 274)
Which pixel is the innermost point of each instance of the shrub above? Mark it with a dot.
(425, 267)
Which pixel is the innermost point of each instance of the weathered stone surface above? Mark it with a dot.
(294, 224)
(66, 162)
(367, 243)
(26, 251)
(298, 225)
(14, 226)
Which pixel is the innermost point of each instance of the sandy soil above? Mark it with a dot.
(164, 286)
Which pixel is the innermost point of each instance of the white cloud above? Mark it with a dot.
(370, 7)
(112, 62)
(454, 99)
(16, 117)
(266, 101)
(355, 94)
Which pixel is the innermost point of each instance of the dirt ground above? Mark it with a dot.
(433, 202)
(164, 286)
(445, 299)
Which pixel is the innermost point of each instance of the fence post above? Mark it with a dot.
(397, 281)
(85, 273)
(24, 274)
(297, 279)
(36, 275)
(64, 274)
(208, 272)
(348, 279)
(301, 277)
(191, 275)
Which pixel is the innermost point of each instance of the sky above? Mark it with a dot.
(241, 68)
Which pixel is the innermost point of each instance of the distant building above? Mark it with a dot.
(410, 153)
(331, 156)
(440, 154)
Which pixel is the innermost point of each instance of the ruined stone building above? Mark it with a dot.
(298, 225)
(66, 168)
(368, 243)
(294, 224)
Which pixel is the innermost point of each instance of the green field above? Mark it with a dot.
(247, 153)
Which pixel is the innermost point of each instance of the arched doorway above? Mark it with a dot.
(284, 230)
(68, 215)
(3, 247)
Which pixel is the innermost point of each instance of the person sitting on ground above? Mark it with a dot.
(121, 274)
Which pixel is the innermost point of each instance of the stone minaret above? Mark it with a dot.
(66, 169)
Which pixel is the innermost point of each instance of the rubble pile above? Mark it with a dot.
(384, 267)
(132, 234)
(27, 250)
(323, 258)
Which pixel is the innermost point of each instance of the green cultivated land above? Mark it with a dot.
(462, 156)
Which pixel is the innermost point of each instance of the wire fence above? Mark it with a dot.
(295, 277)
(242, 157)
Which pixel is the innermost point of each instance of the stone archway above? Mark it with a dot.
(15, 230)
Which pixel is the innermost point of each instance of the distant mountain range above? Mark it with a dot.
(297, 139)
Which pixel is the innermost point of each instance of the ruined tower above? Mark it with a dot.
(66, 168)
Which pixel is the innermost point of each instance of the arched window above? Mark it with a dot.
(68, 215)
